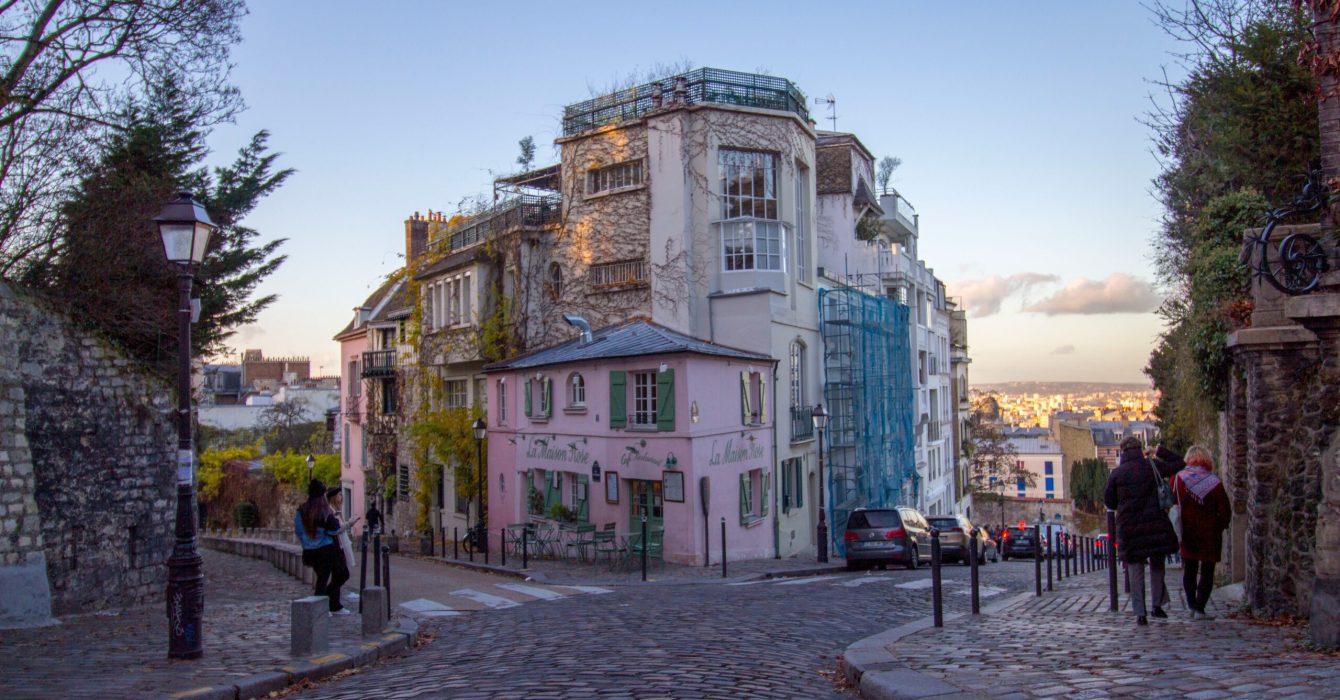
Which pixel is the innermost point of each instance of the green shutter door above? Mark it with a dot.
(528, 406)
(744, 398)
(799, 466)
(582, 493)
(767, 487)
(553, 492)
(762, 399)
(618, 399)
(744, 498)
(665, 401)
(547, 405)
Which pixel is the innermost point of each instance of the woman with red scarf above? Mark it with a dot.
(1205, 515)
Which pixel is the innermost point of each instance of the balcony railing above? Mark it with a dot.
(516, 212)
(702, 85)
(802, 423)
(625, 273)
(378, 363)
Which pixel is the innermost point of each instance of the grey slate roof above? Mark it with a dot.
(633, 338)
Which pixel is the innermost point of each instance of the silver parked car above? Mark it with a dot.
(955, 534)
(882, 536)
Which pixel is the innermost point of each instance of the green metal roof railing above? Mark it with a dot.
(702, 85)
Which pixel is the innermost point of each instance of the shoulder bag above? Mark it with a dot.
(1174, 512)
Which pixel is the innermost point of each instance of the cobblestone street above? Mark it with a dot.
(777, 638)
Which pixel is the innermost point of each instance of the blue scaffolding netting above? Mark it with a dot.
(869, 392)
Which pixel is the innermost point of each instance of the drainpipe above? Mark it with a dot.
(776, 482)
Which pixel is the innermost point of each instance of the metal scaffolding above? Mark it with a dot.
(870, 396)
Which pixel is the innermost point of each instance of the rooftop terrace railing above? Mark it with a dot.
(703, 85)
(519, 211)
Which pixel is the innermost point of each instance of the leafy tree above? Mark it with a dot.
(993, 460)
(1234, 137)
(285, 425)
(446, 437)
(211, 468)
(887, 165)
(290, 468)
(1088, 479)
(65, 65)
(527, 153)
(109, 269)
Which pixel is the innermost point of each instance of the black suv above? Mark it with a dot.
(885, 536)
(1019, 543)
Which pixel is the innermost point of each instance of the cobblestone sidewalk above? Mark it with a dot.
(1066, 644)
(123, 654)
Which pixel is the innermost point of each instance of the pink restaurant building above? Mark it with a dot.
(631, 419)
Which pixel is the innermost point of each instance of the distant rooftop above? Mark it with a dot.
(702, 85)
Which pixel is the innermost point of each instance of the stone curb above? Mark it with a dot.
(392, 642)
(878, 675)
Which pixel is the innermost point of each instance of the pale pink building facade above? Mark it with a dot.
(637, 419)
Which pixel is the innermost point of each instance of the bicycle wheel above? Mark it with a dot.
(1298, 267)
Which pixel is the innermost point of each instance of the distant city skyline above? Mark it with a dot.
(1018, 128)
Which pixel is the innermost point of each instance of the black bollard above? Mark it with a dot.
(1051, 559)
(386, 576)
(973, 557)
(502, 537)
(645, 547)
(377, 559)
(525, 542)
(1037, 560)
(444, 541)
(723, 546)
(432, 544)
(1110, 560)
(484, 541)
(937, 598)
(362, 569)
(470, 544)
(456, 543)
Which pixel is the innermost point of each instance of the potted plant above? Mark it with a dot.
(562, 513)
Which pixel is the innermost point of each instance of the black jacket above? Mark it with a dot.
(1143, 528)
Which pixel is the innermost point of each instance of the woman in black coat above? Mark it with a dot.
(1144, 533)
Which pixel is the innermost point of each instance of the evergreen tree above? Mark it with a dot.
(109, 271)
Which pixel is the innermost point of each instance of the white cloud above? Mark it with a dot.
(1119, 293)
(983, 297)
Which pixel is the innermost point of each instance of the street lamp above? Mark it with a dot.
(820, 418)
(185, 227)
(481, 541)
(311, 462)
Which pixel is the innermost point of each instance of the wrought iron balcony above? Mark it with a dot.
(378, 363)
(802, 423)
(516, 212)
(696, 86)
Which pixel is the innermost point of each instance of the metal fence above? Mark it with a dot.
(702, 85)
(625, 273)
(522, 210)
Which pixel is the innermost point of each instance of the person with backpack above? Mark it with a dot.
(1138, 491)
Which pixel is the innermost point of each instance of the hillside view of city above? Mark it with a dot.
(1030, 404)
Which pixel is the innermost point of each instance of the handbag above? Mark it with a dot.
(1175, 515)
(1167, 499)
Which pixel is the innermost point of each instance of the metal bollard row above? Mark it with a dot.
(937, 596)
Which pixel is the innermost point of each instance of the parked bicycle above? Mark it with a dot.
(476, 540)
(1299, 259)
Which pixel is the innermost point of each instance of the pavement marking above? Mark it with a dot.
(982, 591)
(916, 585)
(593, 590)
(429, 608)
(752, 583)
(532, 591)
(492, 601)
(862, 581)
(803, 581)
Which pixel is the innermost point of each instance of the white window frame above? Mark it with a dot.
(753, 236)
(576, 390)
(797, 373)
(643, 413)
(502, 401)
(618, 177)
(456, 393)
(753, 245)
(802, 224)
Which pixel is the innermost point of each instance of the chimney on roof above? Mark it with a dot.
(416, 236)
(581, 324)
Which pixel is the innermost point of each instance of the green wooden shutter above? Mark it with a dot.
(584, 494)
(665, 401)
(787, 505)
(744, 398)
(762, 399)
(744, 498)
(528, 406)
(767, 495)
(547, 397)
(618, 399)
(799, 466)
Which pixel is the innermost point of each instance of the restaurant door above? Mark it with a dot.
(645, 495)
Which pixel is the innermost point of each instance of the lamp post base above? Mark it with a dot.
(185, 585)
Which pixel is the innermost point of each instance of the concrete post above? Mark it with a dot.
(310, 626)
(374, 610)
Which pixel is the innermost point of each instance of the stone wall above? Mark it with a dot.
(87, 460)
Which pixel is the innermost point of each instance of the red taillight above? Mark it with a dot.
(1006, 535)
(956, 529)
(895, 533)
(849, 536)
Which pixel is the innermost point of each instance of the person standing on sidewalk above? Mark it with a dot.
(1205, 515)
(317, 527)
(374, 520)
(1144, 533)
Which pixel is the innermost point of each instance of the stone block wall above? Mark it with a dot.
(87, 455)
